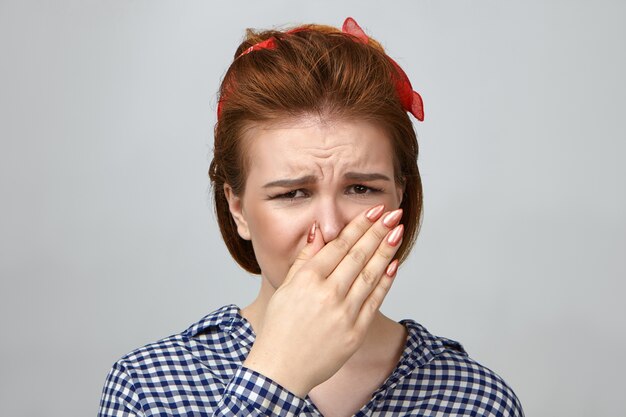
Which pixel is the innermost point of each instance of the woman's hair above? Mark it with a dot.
(312, 69)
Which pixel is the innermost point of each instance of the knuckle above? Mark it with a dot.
(307, 274)
(380, 233)
(332, 293)
(381, 252)
(373, 303)
(358, 256)
(352, 340)
(368, 277)
(329, 295)
(344, 321)
(341, 243)
(385, 285)
(338, 291)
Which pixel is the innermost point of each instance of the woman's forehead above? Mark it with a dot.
(324, 148)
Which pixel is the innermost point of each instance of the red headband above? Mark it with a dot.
(411, 101)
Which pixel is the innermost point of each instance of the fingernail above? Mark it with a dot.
(395, 235)
(311, 237)
(392, 268)
(374, 213)
(391, 219)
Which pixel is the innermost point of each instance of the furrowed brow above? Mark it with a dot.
(292, 182)
(362, 176)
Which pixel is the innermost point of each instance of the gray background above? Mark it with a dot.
(107, 236)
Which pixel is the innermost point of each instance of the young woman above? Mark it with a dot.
(317, 190)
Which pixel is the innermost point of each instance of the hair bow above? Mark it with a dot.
(411, 100)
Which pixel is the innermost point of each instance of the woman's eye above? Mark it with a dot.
(362, 189)
(292, 195)
(356, 189)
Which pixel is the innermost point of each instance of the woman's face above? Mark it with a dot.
(304, 171)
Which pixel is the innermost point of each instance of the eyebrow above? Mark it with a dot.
(310, 179)
(361, 176)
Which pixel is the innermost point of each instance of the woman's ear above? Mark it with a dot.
(236, 210)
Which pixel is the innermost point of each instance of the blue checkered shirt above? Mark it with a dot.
(199, 372)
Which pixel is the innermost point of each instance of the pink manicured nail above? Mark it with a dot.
(395, 235)
(374, 213)
(311, 237)
(392, 268)
(391, 219)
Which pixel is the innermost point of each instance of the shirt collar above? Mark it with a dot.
(421, 346)
(229, 319)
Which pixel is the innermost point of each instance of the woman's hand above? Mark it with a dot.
(320, 315)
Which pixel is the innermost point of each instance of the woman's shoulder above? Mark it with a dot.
(187, 371)
(442, 366)
(210, 338)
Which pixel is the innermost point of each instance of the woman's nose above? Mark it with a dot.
(330, 220)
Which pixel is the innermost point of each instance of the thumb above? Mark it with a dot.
(315, 242)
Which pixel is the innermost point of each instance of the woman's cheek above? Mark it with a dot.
(276, 245)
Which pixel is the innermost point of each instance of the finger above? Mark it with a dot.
(353, 264)
(372, 303)
(368, 279)
(313, 245)
(330, 255)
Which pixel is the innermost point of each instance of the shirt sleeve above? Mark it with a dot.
(248, 393)
(119, 397)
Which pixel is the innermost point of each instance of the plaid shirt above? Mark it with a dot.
(199, 372)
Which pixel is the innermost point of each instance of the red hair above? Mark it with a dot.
(311, 69)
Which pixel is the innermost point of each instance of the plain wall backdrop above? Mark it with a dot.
(108, 239)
